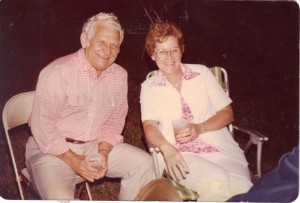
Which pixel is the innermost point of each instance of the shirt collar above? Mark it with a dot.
(187, 74)
(84, 64)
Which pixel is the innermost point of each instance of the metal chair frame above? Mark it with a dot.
(15, 113)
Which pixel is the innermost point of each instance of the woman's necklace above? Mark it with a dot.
(177, 83)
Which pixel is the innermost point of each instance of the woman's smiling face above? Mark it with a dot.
(167, 56)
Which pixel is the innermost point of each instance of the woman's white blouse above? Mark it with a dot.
(161, 102)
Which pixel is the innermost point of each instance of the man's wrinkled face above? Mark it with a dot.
(103, 47)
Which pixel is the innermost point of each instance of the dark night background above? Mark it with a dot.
(257, 42)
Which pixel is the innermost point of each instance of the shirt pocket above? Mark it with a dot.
(106, 107)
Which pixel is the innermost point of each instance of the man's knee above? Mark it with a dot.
(58, 193)
(146, 163)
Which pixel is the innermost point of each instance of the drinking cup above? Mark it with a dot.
(179, 124)
(95, 160)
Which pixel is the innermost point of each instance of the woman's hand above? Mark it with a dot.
(176, 165)
(188, 134)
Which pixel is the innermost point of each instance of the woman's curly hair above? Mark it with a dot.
(159, 32)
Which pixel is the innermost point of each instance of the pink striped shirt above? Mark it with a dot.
(71, 101)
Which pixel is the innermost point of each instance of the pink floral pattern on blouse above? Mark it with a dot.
(187, 74)
(186, 111)
(197, 146)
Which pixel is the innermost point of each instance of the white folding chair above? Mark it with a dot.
(16, 113)
(255, 137)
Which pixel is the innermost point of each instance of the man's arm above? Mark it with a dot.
(48, 103)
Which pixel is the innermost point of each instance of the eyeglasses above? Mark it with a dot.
(161, 53)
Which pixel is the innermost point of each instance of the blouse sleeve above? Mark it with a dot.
(147, 103)
(216, 93)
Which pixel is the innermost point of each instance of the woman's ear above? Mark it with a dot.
(84, 40)
(183, 48)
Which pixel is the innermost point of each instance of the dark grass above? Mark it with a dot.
(257, 43)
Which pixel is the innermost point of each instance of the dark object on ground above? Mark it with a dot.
(279, 185)
(159, 190)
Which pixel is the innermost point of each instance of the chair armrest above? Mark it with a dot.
(255, 138)
(154, 151)
(253, 133)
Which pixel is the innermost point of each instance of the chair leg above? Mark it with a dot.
(23, 188)
(79, 191)
(20, 186)
(88, 190)
(154, 152)
(259, 151)
(78, 194)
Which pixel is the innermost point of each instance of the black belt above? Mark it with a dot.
(75, 141)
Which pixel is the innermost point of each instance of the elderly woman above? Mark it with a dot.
(203, 156)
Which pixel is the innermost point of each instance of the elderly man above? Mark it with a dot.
(79, 109)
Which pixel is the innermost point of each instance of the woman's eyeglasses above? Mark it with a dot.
(162, 54)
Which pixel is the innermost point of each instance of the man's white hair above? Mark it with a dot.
(105, 18)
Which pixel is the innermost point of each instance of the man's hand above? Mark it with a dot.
(80, 165)
(104, 165)
(104, 149)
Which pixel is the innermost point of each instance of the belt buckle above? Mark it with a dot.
(74, 141)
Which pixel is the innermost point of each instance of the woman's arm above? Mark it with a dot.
(220, 120)
(172, 156)
(152, 133)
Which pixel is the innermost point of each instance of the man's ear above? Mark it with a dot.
(84, 40)
(152, 57)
